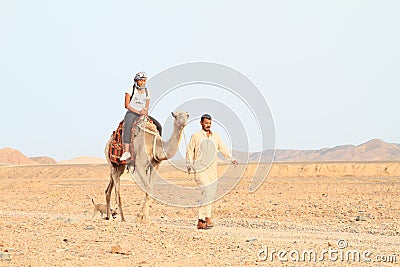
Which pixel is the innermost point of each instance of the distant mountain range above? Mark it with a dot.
(373, 150)
(10, 156)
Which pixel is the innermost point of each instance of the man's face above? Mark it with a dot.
(206, 124)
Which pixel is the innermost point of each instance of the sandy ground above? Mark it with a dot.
(45, 219)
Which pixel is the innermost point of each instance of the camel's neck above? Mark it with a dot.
(171, 146)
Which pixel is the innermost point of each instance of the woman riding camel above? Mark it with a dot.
(137, 101)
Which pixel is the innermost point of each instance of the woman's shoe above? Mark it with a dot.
(125, 156)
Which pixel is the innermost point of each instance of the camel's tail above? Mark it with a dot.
(107, 151)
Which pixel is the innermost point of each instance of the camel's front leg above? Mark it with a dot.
(143, 215)
(119, 171)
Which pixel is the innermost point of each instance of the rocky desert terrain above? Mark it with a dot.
(304, 214)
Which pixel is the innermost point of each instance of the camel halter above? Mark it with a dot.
(187, 161)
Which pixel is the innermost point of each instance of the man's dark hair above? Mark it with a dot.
(205, 116)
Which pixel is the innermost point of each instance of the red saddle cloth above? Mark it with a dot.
(116, 147)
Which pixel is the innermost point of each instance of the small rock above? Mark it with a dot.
(117, 250)
(4, 256)
(70, 220)
(67, 220)
(62, 250)
(89, 227)
(361, 218)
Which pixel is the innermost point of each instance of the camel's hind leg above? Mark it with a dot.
(115, 174)
(111, 183)
(108, 194)
(119, 171)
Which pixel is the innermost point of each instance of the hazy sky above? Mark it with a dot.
(329, 70)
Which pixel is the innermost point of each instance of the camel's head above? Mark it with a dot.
(180, 117)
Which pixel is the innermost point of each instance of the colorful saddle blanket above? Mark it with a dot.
(116, 146)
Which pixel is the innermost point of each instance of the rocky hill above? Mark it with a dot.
(10, 156)
(373, 150)
(43, 160)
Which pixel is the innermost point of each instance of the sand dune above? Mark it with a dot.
(84, 160)
(43, 160)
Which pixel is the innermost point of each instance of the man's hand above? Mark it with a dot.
(190, 167)
(234, 162)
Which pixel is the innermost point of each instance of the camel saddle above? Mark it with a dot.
(117, 147)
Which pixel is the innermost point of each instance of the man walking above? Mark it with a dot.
(201, 156)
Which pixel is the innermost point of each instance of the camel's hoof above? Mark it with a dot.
(106, 218)
(141, 219)
(123, 220)
(138, 219)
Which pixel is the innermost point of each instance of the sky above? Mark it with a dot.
(329, 70)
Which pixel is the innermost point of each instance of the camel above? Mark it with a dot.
(149, 151)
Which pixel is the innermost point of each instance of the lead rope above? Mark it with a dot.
(187, 162)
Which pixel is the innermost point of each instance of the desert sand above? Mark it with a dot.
(45, 219)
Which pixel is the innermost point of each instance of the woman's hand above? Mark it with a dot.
(143, 111)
